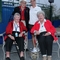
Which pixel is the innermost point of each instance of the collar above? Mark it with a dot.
(34, 7)
(43, 22)
(15, 23)
(20, 7)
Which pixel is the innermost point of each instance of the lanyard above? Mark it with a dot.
(16, 27)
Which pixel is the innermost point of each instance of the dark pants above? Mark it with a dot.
(19, 41)
(45, 43)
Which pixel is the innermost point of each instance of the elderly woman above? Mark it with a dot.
(45, 34)
(14, 32)
(24, 11)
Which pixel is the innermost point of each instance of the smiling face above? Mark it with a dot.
(41, 17)
(23, 4)
(17, 18)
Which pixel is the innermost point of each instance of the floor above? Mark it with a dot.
(14, 56)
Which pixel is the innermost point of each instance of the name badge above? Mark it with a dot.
(16, 34)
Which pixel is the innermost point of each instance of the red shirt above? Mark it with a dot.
(22, 13)
(9, 28)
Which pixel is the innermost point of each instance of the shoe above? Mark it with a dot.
(44, 57)
(49, 57)
(7, 58)
(22, 58)
(34, 49)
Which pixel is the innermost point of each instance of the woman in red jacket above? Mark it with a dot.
(45, 34)
(14, 32)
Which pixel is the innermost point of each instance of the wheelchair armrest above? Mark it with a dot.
(2, 34)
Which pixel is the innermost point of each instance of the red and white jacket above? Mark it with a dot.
(9, 28)
(49, 28)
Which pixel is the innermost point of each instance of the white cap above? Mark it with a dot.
(22, 0)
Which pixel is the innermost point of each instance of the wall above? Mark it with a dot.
(6, 16)
(56, 23)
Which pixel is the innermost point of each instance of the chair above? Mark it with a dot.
(25, 44)
(58, 49)
(14, 43)
(2, 35)
(35, 55)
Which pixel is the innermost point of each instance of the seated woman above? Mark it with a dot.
(45, 34)
(14, 32)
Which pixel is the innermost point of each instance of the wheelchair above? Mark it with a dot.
(15, 45)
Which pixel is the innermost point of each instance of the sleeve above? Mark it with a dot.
(23, 27)
(34, 28)
(8, 29)
(28, 14)
(52, 28)
(16, 10)
(27, 17)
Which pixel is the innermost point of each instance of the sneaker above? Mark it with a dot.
(22, 58)
(7, 58)
(34, 49)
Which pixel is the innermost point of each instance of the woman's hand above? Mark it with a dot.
(46, 34)
(20, 35)
(37, 32)
(12, 37)
(25, 38)
(54, 41)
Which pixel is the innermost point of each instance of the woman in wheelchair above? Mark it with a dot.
(14, 32)
(45, 34)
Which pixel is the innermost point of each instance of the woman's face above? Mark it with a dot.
(23, 4)
(16, 18)
(41, 17)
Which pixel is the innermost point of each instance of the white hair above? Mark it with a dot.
(21, 1)
(16, 14)
(41, 12)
